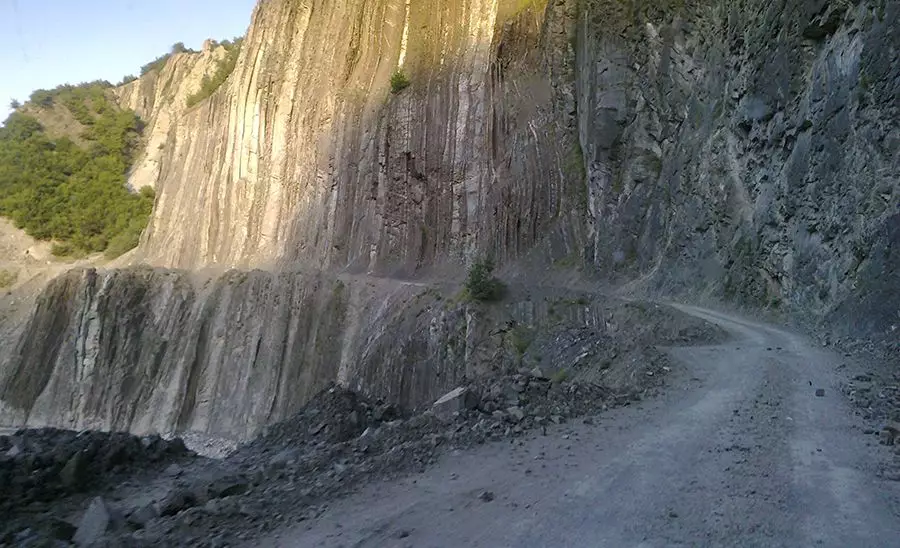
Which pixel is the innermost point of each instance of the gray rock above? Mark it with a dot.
(515, 414)
(287, 457)
(454, 402)
(227, 487)
(73, 474)
(60, 529)
(538, 373)
(173, 470)
(176, 501)
(486, 496)
(95, 523)
(140, 517)
(820, 392)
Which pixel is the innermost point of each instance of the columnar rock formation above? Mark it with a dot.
(743, 151)
(307, 157)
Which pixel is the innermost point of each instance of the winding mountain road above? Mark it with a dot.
(740, 451)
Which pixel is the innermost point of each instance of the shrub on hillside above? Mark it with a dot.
(7, 277)
(481, 284)
(399, 81)
(57, 190)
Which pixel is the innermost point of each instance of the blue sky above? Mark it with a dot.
(45, 43)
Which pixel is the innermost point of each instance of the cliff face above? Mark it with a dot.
(152, 350)
(743, 151)
(307, 157)
(160, 99)
(748, 150)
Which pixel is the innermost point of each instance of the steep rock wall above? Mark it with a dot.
(152, 350)
(160, 99)
(748, 151)
(306, 156)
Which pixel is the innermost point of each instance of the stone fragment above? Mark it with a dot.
(94, 524)
(515, 413)
(283, 458)
(73, 473)
(538, 373)
(176, 501)
(820, 392)
(140, 517)
(453, 402)
(60, 529)
(228, 487)
(486, 496)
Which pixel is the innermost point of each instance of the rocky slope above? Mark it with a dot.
(742, 151)
(149, 351)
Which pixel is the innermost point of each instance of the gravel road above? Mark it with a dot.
(740, 451)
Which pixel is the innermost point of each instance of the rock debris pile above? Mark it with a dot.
(336, 442)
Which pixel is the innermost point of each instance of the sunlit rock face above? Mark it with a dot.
(307, 157)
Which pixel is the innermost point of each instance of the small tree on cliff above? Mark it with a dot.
(399, 81)
(481, 284)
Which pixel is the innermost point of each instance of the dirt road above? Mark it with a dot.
(740, 452)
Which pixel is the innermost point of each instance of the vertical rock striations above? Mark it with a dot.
(307, 157)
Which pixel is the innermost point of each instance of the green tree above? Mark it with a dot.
(481, 284)
(399, 81)
(55, 189)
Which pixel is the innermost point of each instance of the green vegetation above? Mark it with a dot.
(569, 261)
(7, 278)
(574, 169)
(399, 81)
(560, 377)
(55, 189)
(14, 105)
(224, 68)
(521, 337)
(481, 285)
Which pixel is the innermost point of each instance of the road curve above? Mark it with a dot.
(739, 452)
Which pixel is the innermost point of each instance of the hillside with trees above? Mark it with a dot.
(69, 186)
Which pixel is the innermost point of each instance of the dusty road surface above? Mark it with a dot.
(740, 452)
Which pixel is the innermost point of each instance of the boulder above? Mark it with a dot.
(228, 486)
(515, 414)
(176, 501)
(74, 473)
(140, 517)
(98, 519)
(454, 402)
(538, 373)
(286, 457)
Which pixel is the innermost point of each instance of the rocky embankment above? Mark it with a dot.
(92, 491)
